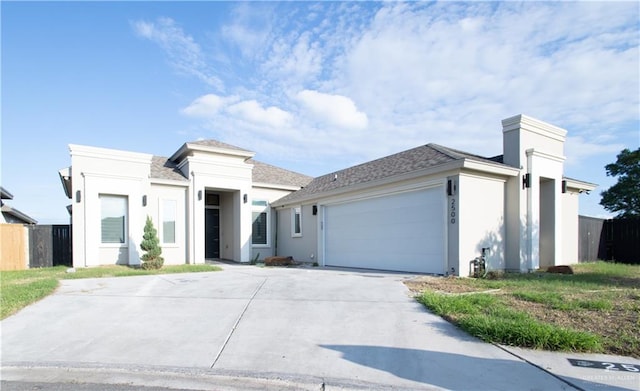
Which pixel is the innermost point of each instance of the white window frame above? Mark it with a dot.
(161, 222)
(261, 206)
(125, 232)
(296, 211)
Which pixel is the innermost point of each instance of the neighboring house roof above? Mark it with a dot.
(10, 214)
(423, 157)
(163, 168)
(4, 194)
(15, 216)
(266, 173)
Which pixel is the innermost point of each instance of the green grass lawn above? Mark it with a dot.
(23, 287)
(597, 309)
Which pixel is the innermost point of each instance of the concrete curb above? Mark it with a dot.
(179, 378)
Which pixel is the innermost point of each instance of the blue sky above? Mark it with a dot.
(311, 87)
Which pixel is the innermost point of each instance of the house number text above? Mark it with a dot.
(452, 211)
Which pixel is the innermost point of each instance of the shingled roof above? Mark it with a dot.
(266, 173)
(163, 168)
(423, 157)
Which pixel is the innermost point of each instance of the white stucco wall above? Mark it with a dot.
(173, 253)
(570, 228)
(230, 176)
(302, 248)
(268, 194)
(96, 172)
(480, 220)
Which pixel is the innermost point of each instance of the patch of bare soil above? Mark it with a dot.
(618, 324)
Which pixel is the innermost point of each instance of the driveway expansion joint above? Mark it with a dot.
(235, 325)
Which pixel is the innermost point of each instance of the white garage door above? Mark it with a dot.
(402, 232)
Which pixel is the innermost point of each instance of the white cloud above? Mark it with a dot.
(399, 75)
(333, 110)
(206, 106)
(183, 52)
(578, 150)
(252, 111)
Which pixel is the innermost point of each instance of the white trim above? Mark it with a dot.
(531, 152)
(274, 186)
(112, 154)
(579, 185)
(186, 147)
(169, 182)
(533, 125)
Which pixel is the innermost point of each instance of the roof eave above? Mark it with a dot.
(276, 186)
(65, 178)
(490, 167)
(579, 185)
(187, 147)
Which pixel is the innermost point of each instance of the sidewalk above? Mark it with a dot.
(588, 372)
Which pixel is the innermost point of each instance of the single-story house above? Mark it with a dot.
(12, 215)
(430, 209)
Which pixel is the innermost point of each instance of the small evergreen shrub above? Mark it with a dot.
(151, 244)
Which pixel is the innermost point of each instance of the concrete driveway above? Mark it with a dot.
(248, 327)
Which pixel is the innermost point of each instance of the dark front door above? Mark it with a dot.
(211, 233)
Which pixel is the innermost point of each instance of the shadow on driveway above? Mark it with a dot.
(452, 371)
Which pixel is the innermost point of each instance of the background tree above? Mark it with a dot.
(151, 244)
(623, 198)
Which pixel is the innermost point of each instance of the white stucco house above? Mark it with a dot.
(430, 209)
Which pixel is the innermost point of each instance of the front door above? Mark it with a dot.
(211, 233)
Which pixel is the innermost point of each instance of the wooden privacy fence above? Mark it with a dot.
(13, 247)
(23, 247)
(611, 240)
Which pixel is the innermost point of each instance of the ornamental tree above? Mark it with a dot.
(151, 244)
(624, 197)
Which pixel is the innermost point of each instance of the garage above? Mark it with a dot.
(402, 232)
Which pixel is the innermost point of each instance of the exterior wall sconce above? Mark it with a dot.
(144, 200)
(451, 187)
(564, 186)
(314, 209)
(78, 196)
(526, 181)
(199, 195)
(245, 198)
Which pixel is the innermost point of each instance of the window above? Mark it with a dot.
(169, 210)
(113, 211)
(260, 216)
(296, 221)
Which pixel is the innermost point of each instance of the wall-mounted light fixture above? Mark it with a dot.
(314, 209)
(199, 195)
(526, 181)
(78, 196)
(451, 187)
(245, 198)
(564, 186)
(144, 200)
